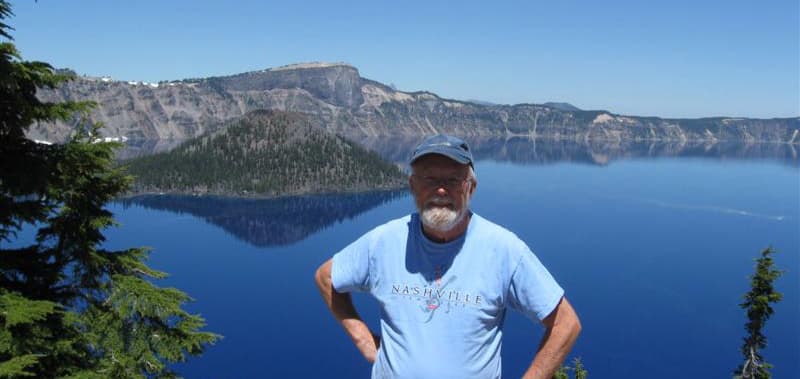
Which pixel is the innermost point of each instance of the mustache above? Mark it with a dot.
(439, 202)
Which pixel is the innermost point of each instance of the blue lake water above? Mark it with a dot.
(653, 250)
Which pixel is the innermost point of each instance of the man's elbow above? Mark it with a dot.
(323, 276)
(564, 320)
(576, 327)
(571, 323)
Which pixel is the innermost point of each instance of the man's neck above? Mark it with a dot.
(450, 235)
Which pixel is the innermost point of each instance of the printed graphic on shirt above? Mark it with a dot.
(437, 295)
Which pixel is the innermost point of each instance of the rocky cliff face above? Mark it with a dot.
(337, 98)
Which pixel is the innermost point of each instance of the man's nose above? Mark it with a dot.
(441, 191)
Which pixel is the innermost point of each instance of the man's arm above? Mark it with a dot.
(341, 305)
(563, 328)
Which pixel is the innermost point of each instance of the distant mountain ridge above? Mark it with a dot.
(562, 106)
(334, 96)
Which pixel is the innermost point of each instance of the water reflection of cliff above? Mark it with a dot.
(269, 222)
(526, 150)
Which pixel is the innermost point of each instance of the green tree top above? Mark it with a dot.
(757, 305)
(69, 307)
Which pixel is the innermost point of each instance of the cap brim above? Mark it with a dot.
(456, 157)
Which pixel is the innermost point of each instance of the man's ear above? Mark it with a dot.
(473, 185)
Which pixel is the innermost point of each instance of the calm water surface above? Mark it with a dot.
(654, 254)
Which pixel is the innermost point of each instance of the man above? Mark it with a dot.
(444, 277)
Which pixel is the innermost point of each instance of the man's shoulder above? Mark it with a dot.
(486, 227)
(392, 227)
(401, 222)
(381, 236)
(498, 237)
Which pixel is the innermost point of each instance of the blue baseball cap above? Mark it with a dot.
(452, 147)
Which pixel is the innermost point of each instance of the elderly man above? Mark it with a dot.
(444, 277)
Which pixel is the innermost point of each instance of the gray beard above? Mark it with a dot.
(440, 219)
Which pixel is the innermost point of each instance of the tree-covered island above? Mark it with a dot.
(264, 154)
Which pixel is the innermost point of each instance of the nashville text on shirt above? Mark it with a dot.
(436, 293)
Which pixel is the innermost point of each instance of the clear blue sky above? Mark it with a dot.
(652, 58)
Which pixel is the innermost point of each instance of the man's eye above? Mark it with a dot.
(448, 182)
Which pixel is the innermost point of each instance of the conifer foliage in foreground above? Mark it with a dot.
(757, 305)
(577, 368)
(68, 307)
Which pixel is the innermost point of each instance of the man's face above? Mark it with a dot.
(441, 191)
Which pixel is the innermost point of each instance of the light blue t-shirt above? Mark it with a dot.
(443, 305)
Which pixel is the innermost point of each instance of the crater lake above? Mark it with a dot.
(652, 243)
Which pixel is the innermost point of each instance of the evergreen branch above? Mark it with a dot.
(18, 366)
(16, 309)
(69, 308)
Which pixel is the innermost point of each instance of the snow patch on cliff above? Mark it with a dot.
(728, 121)
(300, 66)
(602, 118)
(451, 104)
(426, 96)
(375, 96)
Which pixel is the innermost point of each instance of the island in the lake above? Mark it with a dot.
(265, 153)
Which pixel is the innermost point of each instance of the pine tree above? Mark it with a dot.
(68, 307)
(580, 370)
(757, 305)
(577, 368)
(561, 373)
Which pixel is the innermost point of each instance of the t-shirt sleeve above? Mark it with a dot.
(533, 291)
(351, 266)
